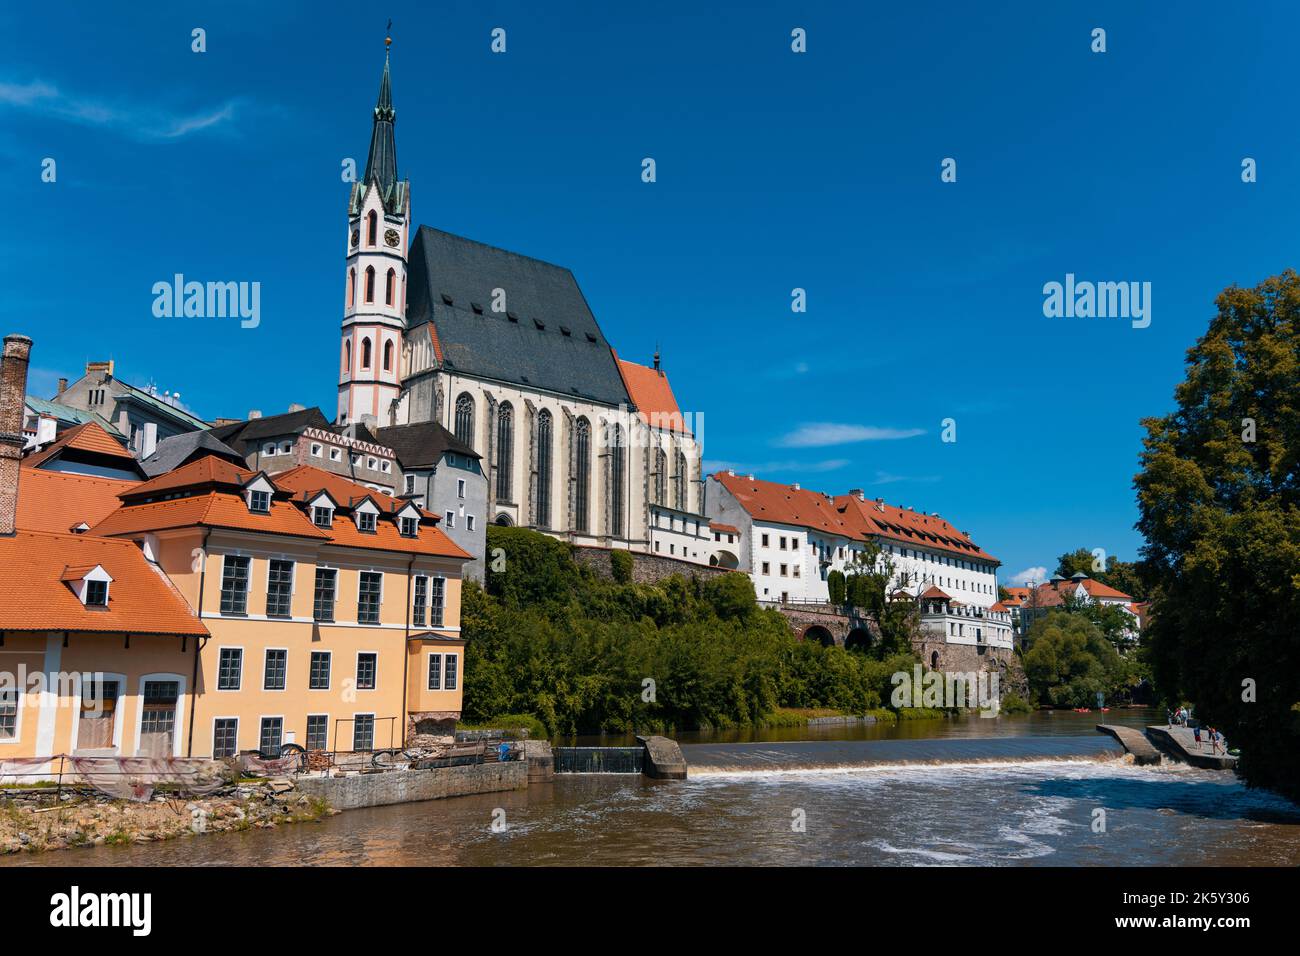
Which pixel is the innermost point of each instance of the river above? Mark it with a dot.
(1011, 791)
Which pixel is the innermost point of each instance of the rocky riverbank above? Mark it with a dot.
(31, 822)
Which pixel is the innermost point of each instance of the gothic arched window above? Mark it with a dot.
(388, 356)
(372, 228)
(679, 483)
(352, 288)
(617, 469)
(661, 477)
(582, 476)
(505, 450)
(370, 283)
(544, 469)
(465, 419)
(347, 355)
(365, 353)
(390, 286)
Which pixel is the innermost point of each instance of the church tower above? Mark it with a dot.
(374, 310)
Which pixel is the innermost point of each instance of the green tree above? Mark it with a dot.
(1070, 661)
(835, 583)
(1219, 505)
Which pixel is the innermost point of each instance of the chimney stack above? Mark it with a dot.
(63, 385)
(13, 396)
(657, 362)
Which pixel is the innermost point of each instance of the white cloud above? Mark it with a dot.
(818, 434)
(763, 468)
(1022, 578)
(888, 478)
(141, 122)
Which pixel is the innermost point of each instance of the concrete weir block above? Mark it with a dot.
(663, 758)
(541, 761)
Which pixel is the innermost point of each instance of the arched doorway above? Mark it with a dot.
(724, 559)
(859, 639)
(819, 634)
(503, 520)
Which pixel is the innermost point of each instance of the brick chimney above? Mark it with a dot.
(13, 394)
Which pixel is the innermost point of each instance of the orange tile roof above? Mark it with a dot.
(997, 606)
(1048, 596)
(725, 528)
(652, 396)
(909, 527)
(786, 504)
(209, 496)
(60, 500)
(89, 437)
(206, 471)
(934, 594)
(211, 509)
(307, 481)
(33, 598)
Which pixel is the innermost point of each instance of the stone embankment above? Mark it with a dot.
(33, 820)
(1133, 741)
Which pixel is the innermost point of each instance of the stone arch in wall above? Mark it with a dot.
(859, 639)
(815, 632)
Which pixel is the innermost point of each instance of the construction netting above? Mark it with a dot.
(123, 778)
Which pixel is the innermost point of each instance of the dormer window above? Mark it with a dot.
(90, 584)
(409, 527)
(322, 517)
(96, 594)
(259, 501)
(366, 521)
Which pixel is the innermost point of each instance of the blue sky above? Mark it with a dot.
(775, 171)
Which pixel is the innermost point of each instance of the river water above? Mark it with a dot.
(1011, 791)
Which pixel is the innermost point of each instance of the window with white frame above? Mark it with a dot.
(316, 449)
(259, 501)
(273, 672)
(271, 735)
(279, 588)
(9, 713)
(225, 737)
(369, 596)
(234, 584)
(318, 677)
(451, 519)
(437, 591)
(317, 731)
(367, 662)
(443, 671)
(469, 522)
(230, 666)
(322, 516)
(421, 600)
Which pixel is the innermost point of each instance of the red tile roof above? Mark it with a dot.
(785, 504)
(89, 437)
(1048, 596)
(33, 596)
(652, 396)
(59, 500)
(724, 528)
(877, 519)
(934, 594)
(212, 509)
(204, 472)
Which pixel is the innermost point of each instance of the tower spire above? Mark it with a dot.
(381, 165)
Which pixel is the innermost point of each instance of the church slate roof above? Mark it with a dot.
(422, 445)
(547, 339)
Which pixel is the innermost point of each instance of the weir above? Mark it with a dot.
(599, 759)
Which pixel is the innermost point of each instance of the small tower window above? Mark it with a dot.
(347, 356)
(372, 228)
(370, 283)
(390, 286)
(388, 354)
(352, 288)
(365, 353)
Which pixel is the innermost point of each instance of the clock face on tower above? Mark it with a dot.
(356, 236)
(392, 238)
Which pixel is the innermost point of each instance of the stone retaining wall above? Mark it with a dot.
(410, 786)
(646, 568)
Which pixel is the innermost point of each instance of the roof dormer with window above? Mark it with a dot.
(257, 494)
(366, 515)
(322, 508)
(408, 521)
(90, 584)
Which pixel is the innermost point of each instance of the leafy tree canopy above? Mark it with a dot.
(1219, 505)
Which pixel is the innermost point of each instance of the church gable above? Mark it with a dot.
(546, 337)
